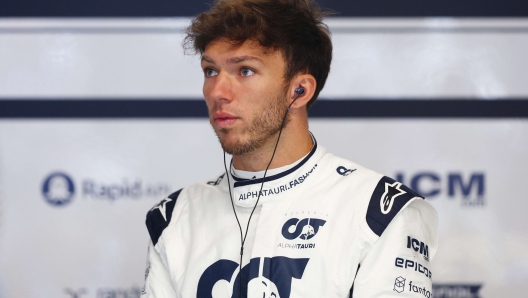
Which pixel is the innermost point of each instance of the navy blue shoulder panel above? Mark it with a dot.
(159, 217)
(387, 200)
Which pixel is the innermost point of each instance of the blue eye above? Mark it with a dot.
(210, 72)
(246, 72)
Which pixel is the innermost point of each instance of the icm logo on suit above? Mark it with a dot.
(418, 246)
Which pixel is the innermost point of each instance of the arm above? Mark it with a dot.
(398, 265)
(158, 282)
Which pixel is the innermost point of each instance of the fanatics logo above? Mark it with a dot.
(399, 284)
(392, 191)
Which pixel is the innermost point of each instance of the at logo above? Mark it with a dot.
(58, 189)
(273, 278)
(392, 191)
(304, 229)
(344, 171)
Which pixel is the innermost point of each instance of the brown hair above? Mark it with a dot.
(293, 27)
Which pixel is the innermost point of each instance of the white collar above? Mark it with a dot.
(246, 175)
(279, 184)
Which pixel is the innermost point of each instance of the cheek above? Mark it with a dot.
(207, 97)
(206, 89)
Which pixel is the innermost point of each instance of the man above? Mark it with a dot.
(286, 219)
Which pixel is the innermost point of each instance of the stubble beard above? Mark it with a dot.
(265, 125)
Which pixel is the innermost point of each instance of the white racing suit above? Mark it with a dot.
(323, 227)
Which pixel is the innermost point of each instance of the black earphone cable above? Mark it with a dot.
(243, 239)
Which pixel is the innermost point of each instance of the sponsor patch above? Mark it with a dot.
(402, 263)
(399, 284)
(304, 229)
(344, 171)
(418, 246)
(388, 198)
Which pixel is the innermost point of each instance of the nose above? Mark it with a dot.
(219, 89)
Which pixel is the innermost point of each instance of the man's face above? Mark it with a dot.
(245, 94)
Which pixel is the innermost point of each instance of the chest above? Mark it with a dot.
(290, 245)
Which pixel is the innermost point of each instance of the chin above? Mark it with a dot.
(235, 145)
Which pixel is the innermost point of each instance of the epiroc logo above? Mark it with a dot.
(304, 229)
(403, 263)
(469, 187)
(58, 189)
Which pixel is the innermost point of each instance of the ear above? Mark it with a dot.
(308, 83)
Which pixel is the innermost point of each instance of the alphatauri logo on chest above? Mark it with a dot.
(300, 229)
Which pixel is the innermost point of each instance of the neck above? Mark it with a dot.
(295, 142)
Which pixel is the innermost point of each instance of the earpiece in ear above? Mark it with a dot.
(299, 91)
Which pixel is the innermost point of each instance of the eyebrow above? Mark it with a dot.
(208, 59)
(243, 58)
(233, 60)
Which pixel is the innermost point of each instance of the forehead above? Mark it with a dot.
(224, 49)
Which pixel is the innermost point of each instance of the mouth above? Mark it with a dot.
(224, 120)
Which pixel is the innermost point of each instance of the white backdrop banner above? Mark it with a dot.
(74, 192)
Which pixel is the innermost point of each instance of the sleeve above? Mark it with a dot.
(158, 282)
(398, 264)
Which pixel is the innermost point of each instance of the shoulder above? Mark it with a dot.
(340, 167)
(375, 200)
(389, 198)
(159, 217)
(162, 214)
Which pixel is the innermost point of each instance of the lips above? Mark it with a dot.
(224, 120)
